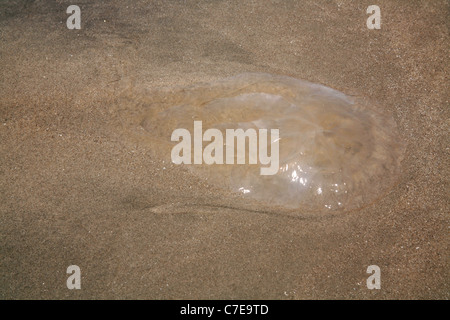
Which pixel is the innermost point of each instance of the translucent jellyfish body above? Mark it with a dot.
(335, 152)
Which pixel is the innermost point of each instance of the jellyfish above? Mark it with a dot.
(336, 152)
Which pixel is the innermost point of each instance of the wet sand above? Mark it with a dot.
(74, 190)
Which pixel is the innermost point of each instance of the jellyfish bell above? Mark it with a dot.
(336, 152)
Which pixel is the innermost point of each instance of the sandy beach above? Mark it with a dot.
(75, 189)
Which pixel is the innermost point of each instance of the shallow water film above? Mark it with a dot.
(335, 152)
